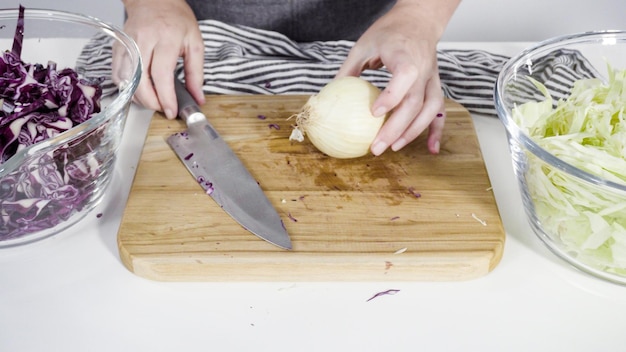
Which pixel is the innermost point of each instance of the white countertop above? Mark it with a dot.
(72, 293)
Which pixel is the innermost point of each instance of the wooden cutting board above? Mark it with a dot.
(405, 215)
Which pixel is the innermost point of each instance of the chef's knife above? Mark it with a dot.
(222, 175)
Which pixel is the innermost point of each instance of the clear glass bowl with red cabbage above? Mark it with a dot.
(63, 107)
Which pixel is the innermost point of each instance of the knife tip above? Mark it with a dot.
(283, 241)
(286, 246)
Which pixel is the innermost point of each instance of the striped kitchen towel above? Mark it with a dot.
(243, 60)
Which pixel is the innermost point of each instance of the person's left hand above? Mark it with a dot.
(405, 41)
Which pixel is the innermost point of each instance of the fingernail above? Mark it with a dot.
(436, 147)
(380, 111)
(439, 115)
(169, 114)
(379, 147)
(202, 100)
(399, 144)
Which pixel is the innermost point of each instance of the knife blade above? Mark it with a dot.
(222, 175)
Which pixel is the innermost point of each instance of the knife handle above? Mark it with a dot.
(187, 106)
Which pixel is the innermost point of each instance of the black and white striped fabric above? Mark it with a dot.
(557, 71)
(243, 60)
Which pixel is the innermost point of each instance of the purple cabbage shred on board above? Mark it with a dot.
(39, 102)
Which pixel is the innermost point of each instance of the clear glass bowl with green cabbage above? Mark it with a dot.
(563, 104)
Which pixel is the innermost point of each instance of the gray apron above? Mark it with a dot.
(300, 20)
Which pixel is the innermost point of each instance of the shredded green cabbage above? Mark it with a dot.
(586, 130)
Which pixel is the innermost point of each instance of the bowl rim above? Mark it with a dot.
(123, 94)
(513, 129)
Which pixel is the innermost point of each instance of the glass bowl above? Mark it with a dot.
(51, 184)
(573, 204)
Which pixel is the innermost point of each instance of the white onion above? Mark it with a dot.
(338, 120)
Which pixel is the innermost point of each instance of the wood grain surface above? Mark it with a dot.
(405, 215)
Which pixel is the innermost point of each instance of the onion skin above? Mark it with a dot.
(338, 120)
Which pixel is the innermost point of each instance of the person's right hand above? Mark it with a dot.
(165, 30)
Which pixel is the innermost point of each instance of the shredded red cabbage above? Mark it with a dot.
(205, 184)
(415, 193)
(37, 103)
(388, 292)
